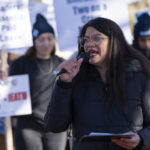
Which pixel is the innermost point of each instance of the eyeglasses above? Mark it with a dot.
(96, 39)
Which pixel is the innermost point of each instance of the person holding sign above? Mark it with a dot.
(141, 39)
(108, 96)
(39, 63)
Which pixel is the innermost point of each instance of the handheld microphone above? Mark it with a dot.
(83, 55)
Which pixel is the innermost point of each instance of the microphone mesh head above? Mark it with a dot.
(85, 56)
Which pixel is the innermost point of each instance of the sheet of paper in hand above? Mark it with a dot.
(94, 136)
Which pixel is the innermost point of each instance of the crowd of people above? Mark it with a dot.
(109, 93)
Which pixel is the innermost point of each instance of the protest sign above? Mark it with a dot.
(15, 96)
(47, 10)
(71, 15)
(15, 28)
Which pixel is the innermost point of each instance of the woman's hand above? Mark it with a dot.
(3, 75)
(128, 143)
(72, 67)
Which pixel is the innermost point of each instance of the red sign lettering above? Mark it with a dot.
(17, 96)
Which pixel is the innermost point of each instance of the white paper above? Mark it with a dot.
(72, 15)
(15, 27)
(15, 96)
(110, 134)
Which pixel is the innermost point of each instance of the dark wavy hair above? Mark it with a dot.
(120, 53)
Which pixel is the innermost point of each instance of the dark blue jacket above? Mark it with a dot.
(83, 103)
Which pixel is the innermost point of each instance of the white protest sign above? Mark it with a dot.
(71, 15)
(34, 8)
(50, 14)
(46, 9)
(15, 28)
(15, 96)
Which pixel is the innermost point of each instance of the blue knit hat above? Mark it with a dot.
(41, 26)
(142, 27)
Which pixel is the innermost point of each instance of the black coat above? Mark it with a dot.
(41, 84)
(83, 103)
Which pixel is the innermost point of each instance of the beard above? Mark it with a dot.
(145, 51)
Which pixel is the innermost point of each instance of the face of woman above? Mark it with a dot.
(44, 45)
(96, 43)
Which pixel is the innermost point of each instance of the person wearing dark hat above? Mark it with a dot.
(142, 34)
(39, 62)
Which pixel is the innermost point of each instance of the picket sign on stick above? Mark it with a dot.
(7, 120)
(8, 134)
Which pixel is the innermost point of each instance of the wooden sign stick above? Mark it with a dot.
(7, 120)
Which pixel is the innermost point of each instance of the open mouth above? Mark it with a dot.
(93, 52)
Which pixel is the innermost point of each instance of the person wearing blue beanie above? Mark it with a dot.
(39, 63)
(41, 26)
(142, 34)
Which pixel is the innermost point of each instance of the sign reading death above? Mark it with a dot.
(15, 98)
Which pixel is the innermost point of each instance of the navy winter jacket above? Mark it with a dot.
(83, 103)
